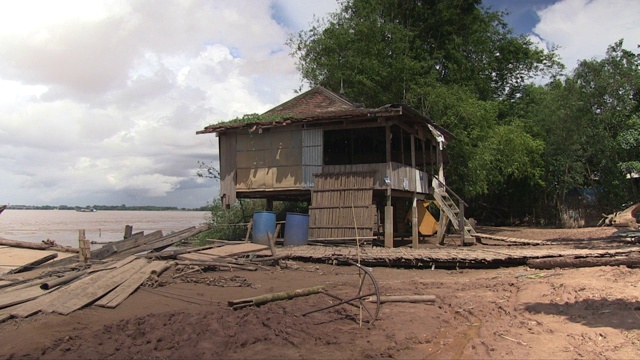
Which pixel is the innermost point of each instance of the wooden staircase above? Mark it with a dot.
(454, 214)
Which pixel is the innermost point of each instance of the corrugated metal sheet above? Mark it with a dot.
(312, 137)
(307, 175)
(311, 156)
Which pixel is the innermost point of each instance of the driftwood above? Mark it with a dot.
(573, 262)
(625, 218)
(267, 298)
(404, 298)
(218, 263)
(36, 246)
(33, 264)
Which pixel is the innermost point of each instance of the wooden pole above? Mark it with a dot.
(442, 227)
(84, 246)
(267, 298)
(128, 231)
(414, 205)
(461, 222)
(249, 227)
(33, 264)
(388, 209)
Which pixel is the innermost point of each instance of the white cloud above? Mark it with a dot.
(583, 29)
(100, 100)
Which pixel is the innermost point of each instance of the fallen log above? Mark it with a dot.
(36, 246)
(575, 262)
(218, 264)
(33, 264)
(267, 298)
(62, 280)
(404, 298)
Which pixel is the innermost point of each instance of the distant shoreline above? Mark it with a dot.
(105, 208)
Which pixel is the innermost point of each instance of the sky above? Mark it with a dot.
(100, 99)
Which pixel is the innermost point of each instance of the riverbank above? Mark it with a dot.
(514, 312)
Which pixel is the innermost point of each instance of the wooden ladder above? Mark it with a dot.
(455, 215)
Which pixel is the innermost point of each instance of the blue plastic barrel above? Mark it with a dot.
(296, 230)
(264, 222)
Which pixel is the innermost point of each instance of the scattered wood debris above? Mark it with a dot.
(116, 270)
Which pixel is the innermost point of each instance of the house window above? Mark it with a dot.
(354, 146)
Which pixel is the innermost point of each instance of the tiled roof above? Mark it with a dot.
(313, 102)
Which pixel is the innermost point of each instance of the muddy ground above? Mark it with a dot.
(501, 313)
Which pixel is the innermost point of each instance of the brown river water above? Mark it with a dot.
(101, 226)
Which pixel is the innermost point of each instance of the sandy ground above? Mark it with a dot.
(513, 313)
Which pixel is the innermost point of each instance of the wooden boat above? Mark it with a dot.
(2, 207)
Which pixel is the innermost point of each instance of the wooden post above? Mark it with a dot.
(442, 227)
(128, 231)
(461, 221)
(388, 226)
(269, 204)
(85, 247)
(414, 205)
(249, 227)
(388, 209)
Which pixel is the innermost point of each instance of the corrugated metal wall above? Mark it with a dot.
(311, 156)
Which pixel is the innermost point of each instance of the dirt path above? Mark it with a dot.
(515, 312)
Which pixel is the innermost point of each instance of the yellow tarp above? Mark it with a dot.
(427, 224)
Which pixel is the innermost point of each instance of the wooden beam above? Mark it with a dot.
(414, 205)
(388, 209)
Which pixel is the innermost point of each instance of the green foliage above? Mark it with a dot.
(384, 50)
(231, 224)
(253, 118)
(517, 148)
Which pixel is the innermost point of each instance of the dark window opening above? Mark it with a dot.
(354, 146)
(401, 146)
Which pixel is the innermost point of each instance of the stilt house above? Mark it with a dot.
(363, 170)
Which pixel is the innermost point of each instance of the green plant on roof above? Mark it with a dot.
(254, 118)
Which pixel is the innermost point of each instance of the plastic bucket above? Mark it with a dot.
(296, 231)
(264, 222)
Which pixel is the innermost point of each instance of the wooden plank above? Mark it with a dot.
(231, 250)
(11, 258)
(166, 241)
(122, 292)
(51, 299)
(19, 296)
(105, 282)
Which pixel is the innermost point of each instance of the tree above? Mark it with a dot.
(610, 91)
(384, 51)
(450, 59)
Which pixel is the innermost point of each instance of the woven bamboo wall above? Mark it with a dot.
(339, 203)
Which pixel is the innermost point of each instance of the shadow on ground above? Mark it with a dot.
(617, 313)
